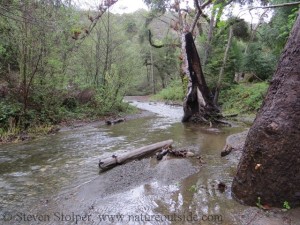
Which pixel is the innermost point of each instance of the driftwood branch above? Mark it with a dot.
(116, 160)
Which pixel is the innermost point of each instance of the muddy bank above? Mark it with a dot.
(102, 121)
(76, 123)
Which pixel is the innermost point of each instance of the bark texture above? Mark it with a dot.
(198, 104)
(270, 164)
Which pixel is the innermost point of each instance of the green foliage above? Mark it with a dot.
(259, 62)
(8, 113)
(157, 5)
(109, 98)
(286, 205)
(237, 50)
(243, 98)
(8, 51)
(131, 27)
(174, 92)
(45, 87)
(193, 188)
(214, 64)
(240, 29)
(275, 34)
(70, 103)
(258, 203)
(45, 68)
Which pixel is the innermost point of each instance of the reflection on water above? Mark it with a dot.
(35, 172)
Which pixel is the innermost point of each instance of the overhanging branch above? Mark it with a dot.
(199, 13)
(275, 6)
(151, 43)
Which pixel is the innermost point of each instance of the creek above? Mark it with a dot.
(56, 180)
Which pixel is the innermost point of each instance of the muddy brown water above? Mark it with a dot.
(56, 180)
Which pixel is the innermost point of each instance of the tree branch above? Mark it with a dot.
(151, 43)
(199, 13)
(205, 4)
(103, 7)
(275, 6)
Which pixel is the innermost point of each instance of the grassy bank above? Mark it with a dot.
(174, 92)
(238, 99)
(17, 126)
(243, 98)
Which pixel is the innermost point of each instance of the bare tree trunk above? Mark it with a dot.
(148, 75)
(152, 73)
(198, 104)
(221, 74)
(107, 42)
(98, 57)
(209, 37)
(163, 80)
(270, 164)
(24, 57)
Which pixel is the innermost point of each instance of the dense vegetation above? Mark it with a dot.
(50, 74)
(57, 64)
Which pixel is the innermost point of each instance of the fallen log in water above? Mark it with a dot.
(116, 160)
(112, 122)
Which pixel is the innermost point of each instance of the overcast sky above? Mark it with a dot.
(122, 6)
(129, 6)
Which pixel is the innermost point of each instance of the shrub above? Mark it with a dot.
(243, 98)
(259, 62)
(9, 112)
(70, 103)
(174, 92)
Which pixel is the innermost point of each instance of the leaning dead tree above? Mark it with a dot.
(198, 103)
